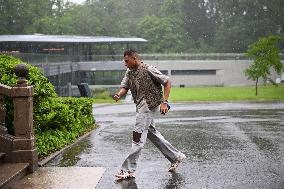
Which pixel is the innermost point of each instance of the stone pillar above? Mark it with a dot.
(24, 149)
(3, 129)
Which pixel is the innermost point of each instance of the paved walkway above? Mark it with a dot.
(62, 178)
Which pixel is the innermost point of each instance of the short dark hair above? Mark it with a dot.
(130, 52)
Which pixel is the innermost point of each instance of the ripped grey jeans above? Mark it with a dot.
(145, 128)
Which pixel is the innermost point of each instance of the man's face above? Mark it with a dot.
(130, 62)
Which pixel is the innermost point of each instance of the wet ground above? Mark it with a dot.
(61, 178)
(228, 145)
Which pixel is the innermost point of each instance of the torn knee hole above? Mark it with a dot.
(136, 136)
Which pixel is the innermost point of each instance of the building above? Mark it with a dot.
(98, 61)
(56, 48)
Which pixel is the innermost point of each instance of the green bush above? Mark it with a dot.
(62, 121)
(57, 121)
(63, 114)
(43, 89)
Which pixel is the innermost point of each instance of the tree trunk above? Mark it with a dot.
(256, 82)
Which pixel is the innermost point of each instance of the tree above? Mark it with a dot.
(198, 21)
(162, 35)
(241, 22)
(20, 16)
(266, 56)
(112, 16)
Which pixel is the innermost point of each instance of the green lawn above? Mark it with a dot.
(102, 101)
(265, 93)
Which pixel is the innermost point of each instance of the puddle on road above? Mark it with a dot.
(71, 156)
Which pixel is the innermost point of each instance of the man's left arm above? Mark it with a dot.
(165, 81)
(164, 105)
(124, 87)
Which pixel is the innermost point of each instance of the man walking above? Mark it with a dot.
(145, 83)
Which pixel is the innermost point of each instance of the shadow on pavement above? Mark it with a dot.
(128, 184)
(175, 181)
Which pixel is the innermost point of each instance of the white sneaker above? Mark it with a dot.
(174, 165)
(124, 175)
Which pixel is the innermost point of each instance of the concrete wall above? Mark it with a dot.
(228, 72)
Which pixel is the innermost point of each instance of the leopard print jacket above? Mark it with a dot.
(143, 85)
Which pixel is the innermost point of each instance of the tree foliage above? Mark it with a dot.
(162, 35)
(266, 56)
(182, 25)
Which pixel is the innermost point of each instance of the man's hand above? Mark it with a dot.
(164, 108)
(116, 97)
(119, 94)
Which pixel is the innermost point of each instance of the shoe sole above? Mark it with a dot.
(173, 169)
(118, 178)
(179, 162)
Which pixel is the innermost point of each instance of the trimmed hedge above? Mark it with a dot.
(62, 121)
(57, 121)
(43, 89)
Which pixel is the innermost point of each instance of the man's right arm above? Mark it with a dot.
(124, 87)
(120, 93)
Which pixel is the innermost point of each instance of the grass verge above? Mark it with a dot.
(265, 93)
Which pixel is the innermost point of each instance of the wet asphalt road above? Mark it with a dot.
(228, 145)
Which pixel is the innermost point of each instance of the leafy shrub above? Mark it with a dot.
(62, 121)
(57, 121)
(43, 89)
(63, 114)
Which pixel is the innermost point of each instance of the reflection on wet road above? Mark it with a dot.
(228, 145)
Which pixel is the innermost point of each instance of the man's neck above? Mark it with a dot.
(137, 65)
